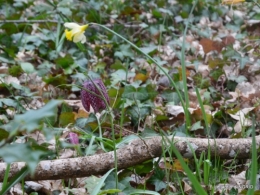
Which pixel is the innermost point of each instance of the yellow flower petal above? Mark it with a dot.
(68, 34)
(76, 33)
(84, 27)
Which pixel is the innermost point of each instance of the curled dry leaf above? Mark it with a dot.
(174, 110)
(242, 121)
(209, 45)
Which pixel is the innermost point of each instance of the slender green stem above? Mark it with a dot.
(6, 175)
(257, 3)
(183, 65)
(254, 163)
(112, 126)
(203, 111)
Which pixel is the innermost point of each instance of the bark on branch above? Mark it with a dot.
(132, 154)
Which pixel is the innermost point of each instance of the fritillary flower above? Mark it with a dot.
(92, 94)
(73, 138)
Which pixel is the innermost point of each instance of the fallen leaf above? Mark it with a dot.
(209, 45)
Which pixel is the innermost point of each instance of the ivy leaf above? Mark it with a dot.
(91, 182)
(137, 94)
(27, 67)
(157, 180)
(8, 102)
(32, 119)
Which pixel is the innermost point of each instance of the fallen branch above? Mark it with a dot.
(132, 154)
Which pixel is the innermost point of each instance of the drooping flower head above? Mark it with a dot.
(73, 138)
(76, 32)
(91, 95)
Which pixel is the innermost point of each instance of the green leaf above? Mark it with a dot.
(170, 96)
(138, 113)
(100, 183)
(157, 179)
(120, 75)
(144, 168)
(21, 153)
(110, 191)
(149, 49)
(3, 134)
(135, 94)
(64, 10)
(8, 102)
(66, 118)
(27, 67)
(124, 51)
(196, 126)
(65, 62)
(123, 185)
(143, 192)
(91, 182)
(32, 119)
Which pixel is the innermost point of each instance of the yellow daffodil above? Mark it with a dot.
(229, 2)
(76, 32)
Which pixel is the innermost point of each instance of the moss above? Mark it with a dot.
(15, 71)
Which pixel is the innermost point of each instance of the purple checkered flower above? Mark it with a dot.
(90, 95)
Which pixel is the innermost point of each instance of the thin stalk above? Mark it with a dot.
(183, 65)
(112, 128)
(6, 175)
(203, 111)
(254, 163)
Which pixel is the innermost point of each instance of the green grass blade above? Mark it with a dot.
(100, 183)
(253, 170)
(202, 110)
(6, 175)
(18, 177)
(183, 65)
(144, 192)
(196, 185)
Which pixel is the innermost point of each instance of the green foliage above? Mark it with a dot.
(32, 119)
(148, 44)
(157, 179)
(21, 153)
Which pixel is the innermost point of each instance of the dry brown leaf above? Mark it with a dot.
(141, 77)
(228, 40)
(209, 45)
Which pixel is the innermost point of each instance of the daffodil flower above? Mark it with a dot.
(228, 2)
(76, 32)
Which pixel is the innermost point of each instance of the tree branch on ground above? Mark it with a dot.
(134, 153)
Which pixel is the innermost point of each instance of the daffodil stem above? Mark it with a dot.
(157, 64)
